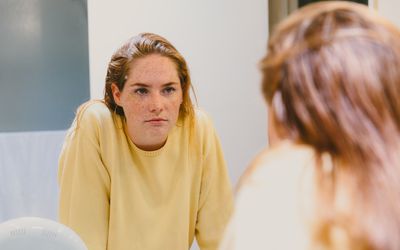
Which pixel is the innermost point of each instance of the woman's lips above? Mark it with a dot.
(156, 121)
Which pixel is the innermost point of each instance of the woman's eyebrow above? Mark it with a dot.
(139, 84)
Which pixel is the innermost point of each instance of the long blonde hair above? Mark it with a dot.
(332, 76)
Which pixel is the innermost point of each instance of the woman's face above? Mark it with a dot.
(151, 99)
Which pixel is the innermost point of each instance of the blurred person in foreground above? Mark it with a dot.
(331, 179)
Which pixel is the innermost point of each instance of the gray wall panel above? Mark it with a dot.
(44, 63)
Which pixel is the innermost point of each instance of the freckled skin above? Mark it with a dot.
(151, 99)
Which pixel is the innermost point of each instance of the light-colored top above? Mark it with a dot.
(271, 202)
(118, 197)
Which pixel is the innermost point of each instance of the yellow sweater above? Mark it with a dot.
(118, 197)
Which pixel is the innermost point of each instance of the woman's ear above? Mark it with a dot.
(273, 136)
(116, 94)
(276, 114)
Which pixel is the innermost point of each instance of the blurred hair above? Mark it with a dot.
(332, 77)
(140, 46)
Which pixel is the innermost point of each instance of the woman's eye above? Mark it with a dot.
(141, 91)
(169, 90)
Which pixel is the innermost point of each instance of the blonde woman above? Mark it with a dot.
(142, 169)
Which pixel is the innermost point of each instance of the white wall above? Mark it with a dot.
(222, 41)
(28, 174)
(390, 10)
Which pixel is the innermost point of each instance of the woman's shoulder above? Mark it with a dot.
(93, 111)
(268, 202)
(93, 108)
(287, 160)
(204, 128)
(202, 117)
(204, 124)
(94, 115)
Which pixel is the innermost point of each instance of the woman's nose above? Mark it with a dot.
(156, 103)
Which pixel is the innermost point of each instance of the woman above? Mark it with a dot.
(142, 169)
(331, 179)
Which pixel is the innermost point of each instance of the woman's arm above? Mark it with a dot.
(84, 184)
(216, 202)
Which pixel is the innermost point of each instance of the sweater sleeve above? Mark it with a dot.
(215, 205)
(84, 182)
